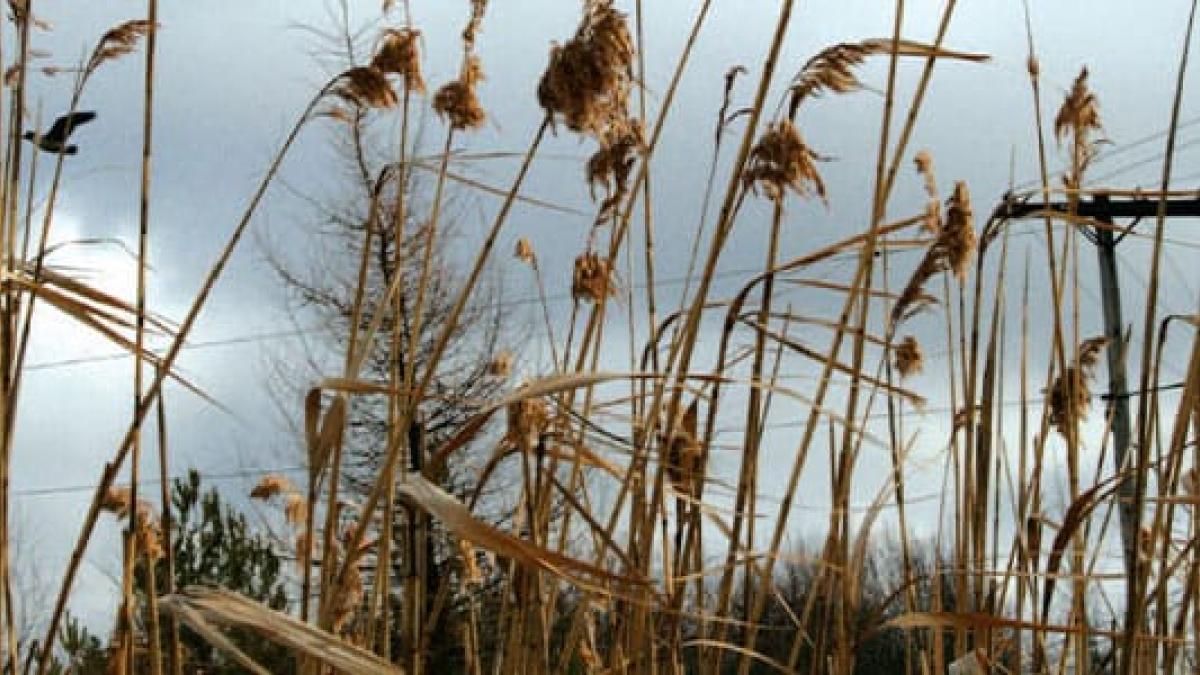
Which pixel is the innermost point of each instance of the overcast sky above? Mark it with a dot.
(234, 74)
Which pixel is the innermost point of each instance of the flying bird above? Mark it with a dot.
(55, 140)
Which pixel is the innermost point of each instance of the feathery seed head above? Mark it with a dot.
(457, 99)
(524, 251)
(398, 53)
(593, 278)
(683, 452)
(367, 87)
(1080, 111)
(909, 358)
(478, 7)
(117, 42)
(780, 161)
(295, 509)
(270, 485)
(528, 418)
(587, 80)
(832, 69)
(501, 365)
(611, 165)
(959, 233)
(1070, 394)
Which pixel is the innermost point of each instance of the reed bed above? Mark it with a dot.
(643, 531)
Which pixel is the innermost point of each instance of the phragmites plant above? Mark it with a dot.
(270, 485)
(399, 54)
(1078, 117)
(933, 211)
(426, 545)
(683, 452)
(593, 278)
(117, 42)
(501, 364)
(366, 87)
(910, 360)
(149, 534)
(478, 8)
(832, 69)
(611, 165)
(1080, 111)
(781, 161)
(1071, 394)
(952, 251)
(524, 251)
(588, 79)
(528, 418)
(958, 235)
(457, 100)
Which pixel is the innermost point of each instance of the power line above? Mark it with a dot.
(297, 332)
(245, 473)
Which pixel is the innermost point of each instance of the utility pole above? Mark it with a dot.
(1105, 209)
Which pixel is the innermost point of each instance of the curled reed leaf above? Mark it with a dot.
(781, 161)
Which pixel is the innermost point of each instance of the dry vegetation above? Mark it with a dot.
(629, 550)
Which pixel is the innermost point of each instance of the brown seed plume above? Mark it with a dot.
(612, 164)
(1080, 111)
(910, 360)
(524, 251)
(1078, 118)
(527, 420)
(117, 42)
(1070, 394)
(952, 251)
(781, 161)
(366, 87)
(457, 100)
(959, 232)
(832, 69)
(588, 79)
(501, 365)
(683, 451)
(270, 485)
(478, 8)
(399, 54)
(593, 278)
(933, 210)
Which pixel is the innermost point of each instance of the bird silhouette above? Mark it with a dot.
(55, 140)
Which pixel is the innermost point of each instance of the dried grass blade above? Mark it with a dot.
(230, 609)
(459, 520)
